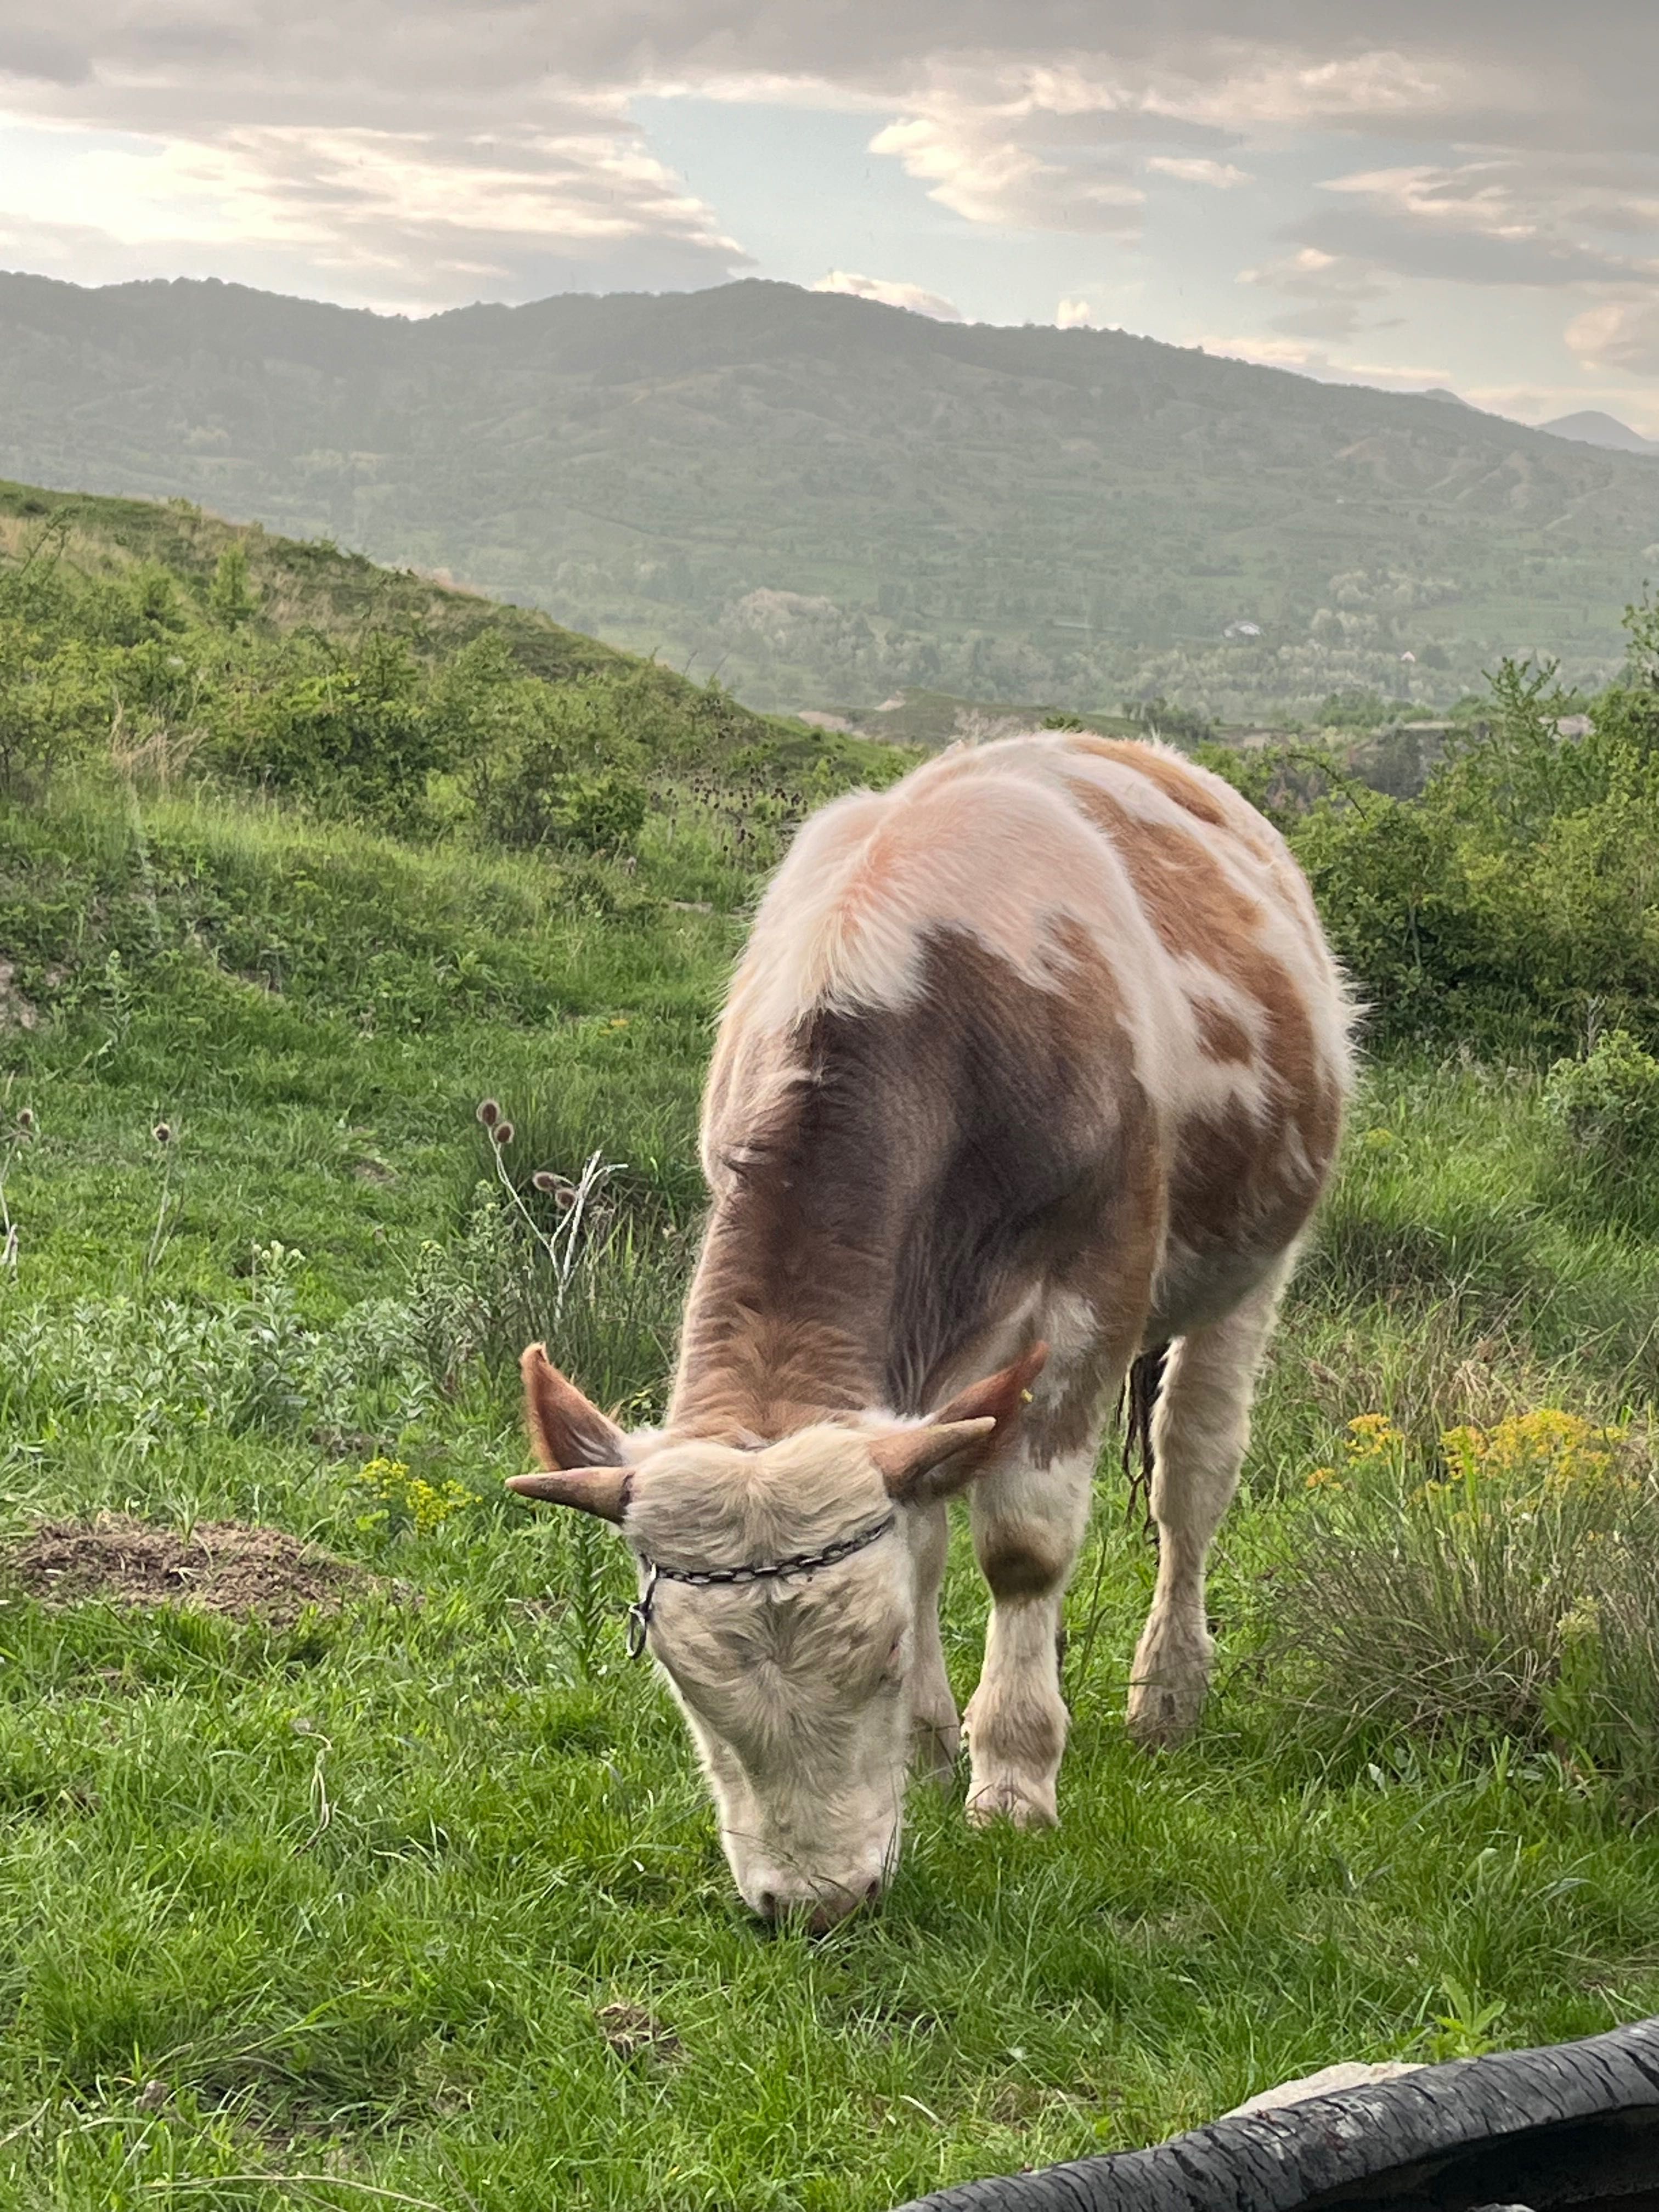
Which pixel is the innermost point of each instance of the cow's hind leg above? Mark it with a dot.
(1200, 1430)
(934, 1726)
(1028, 1523)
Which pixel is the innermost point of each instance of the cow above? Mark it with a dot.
(1031, 1072)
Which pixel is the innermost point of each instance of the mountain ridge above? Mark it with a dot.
(828, 498)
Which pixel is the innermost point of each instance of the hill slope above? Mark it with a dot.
(156, 634)
(833, 499)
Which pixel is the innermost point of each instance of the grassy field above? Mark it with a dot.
(416, 1900)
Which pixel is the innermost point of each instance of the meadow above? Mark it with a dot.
(405, 1891)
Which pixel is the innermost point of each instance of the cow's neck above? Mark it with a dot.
(787, 1322)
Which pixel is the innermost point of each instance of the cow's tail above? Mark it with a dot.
(1135, 1406)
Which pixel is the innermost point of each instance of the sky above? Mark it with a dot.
(1461, 194)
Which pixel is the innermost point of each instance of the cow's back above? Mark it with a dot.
(1037, 984)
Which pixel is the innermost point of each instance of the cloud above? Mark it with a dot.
(1618, 334)
(411, 218)
(1194, 169)
(1022, 149)
(1074, 315)
(365, 150)
(1309, 360)
(914, 298)
(1332, 288)
(1496, 220)
(419, 152)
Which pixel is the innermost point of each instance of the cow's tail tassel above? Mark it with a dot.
(1135, 1406)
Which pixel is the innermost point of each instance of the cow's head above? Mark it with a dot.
(796, 1686)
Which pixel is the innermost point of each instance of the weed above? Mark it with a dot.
(408, 1501)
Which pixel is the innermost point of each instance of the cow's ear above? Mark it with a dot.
(1003, 1395)
(963, 1438)
(565, 1430)
(923, 1463)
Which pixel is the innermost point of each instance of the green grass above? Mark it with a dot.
(299, 1916)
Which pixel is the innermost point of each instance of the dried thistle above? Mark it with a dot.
(489, 1112)
(26, 1119)
(162, 1134)
(502, 1132)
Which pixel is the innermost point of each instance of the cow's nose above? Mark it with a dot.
(822, 1909)
(833, 1908)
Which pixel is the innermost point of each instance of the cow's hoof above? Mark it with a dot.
(1027, 1800)
(1162, 1714)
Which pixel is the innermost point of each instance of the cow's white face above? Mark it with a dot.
(796, 1688)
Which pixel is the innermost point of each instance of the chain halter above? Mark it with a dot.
(803, 1563)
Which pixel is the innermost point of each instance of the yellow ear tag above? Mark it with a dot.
(1026, 1399)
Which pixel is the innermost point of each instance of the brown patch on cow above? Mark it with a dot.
(880, 1207)
(1200, 914)
(1219, 1036)
(220, 1566)
(1174, 780)
(1233, 1183)
(1118, 1236)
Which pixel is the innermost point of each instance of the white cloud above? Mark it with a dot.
(1310, 360)
(1332, 289)
(1500, 219)
(1074, 315)
(1373, 88)
(1021, 147)
(914, 298)
(1618, 334)
(1194, 169)
(411, 218)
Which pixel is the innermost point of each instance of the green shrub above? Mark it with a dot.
(1517, 894)
(350, 733)
(1505, 1588)
(1608, 1102)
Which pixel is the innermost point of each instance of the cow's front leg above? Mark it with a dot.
(934, 1728)
(1028, 1524)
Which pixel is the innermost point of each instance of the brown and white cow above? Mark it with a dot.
(1033, 1063)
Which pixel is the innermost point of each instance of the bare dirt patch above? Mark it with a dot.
(16, 1012)
(632, 2032)
(222, 1566)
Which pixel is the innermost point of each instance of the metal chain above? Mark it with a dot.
(805, 1563)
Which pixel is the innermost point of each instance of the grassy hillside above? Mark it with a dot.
(387, 1879)
(830, 500)
(171, 640)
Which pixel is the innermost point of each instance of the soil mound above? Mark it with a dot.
(224, 1566)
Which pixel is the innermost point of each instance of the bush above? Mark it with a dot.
(1517, 895)
(1511, 1593)
(350, 733)
(1608, 1102)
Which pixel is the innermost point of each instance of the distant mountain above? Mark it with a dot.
(1593, 428)
(830, 500)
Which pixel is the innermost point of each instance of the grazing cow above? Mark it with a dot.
(1034, 1064)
